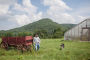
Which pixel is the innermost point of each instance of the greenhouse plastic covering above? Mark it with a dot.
(80, 32)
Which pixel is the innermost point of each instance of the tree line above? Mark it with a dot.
(54, 33)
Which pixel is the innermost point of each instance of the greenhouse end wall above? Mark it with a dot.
(79, 32)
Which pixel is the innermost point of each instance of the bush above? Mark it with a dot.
(18, 34)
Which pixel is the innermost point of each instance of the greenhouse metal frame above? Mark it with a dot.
(80, 32)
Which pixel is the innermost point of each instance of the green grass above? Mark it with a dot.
(50, 50)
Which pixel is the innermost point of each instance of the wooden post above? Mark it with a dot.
(88, 34)
(81, 34)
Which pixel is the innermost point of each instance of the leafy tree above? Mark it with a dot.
(41, 33)
(20, 34)
(58, 33)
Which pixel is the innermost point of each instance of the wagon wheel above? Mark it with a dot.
(29, 48)
(26, 48)
(4, 45)
(23, 48)
(19, 47)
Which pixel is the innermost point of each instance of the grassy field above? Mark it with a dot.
(50, 50)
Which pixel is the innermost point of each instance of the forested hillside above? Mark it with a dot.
(46, 28)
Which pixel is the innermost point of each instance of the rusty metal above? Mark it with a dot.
(18, 42)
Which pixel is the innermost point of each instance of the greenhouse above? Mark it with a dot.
(80, 32)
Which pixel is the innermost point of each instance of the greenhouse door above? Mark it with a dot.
(85, 34)
(89, 35)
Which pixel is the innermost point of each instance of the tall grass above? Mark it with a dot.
(50, 50)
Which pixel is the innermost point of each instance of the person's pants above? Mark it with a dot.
(37, 46)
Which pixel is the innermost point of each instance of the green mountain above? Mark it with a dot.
(68, 26)
(43, 24)
(45, 27)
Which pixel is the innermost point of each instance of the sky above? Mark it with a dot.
(17, 13)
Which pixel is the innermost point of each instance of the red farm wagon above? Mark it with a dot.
(21, 43)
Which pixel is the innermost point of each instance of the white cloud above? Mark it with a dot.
(22, 19)
(26, 7)
(29, 12)
(25, 19)
(82, 17)
(19, 14)
(81, 13)
(56, 3)
(3, 9)
(7, 2)
(57, 11)
(38, 16)
(27, 3)
(4, 6)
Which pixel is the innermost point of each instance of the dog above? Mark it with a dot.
(62, 46)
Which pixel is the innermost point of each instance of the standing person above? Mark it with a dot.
(36, 40)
